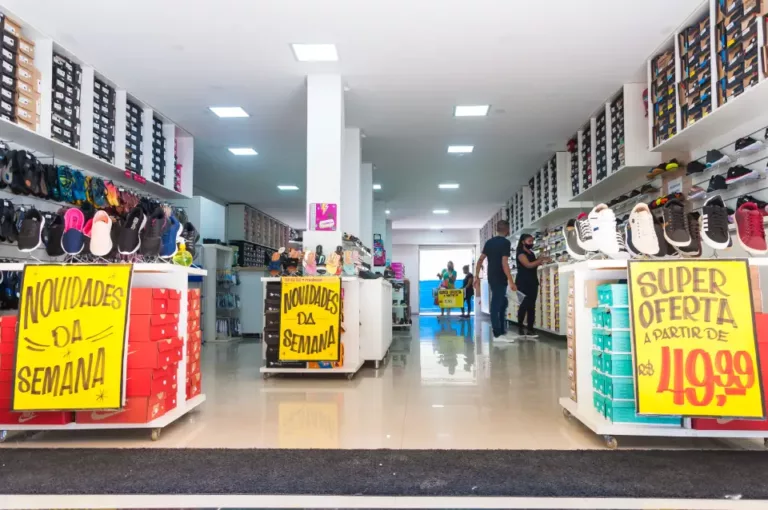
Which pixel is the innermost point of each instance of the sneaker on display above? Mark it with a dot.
(585, 237)
(664, 248)
(101, 234)
(714, 224)
(696, 193)
(748, 145)
(151, 235)
(631, 249)
(129, 240)
(190, 236)
(740, 173)
(72, 241)
(717, 158)
(672, 164)
(572, 241)
(761, 205)
(31, 232)
(694, 227)
(716, 183)
(695, 167)
(676, 224)
(55, 231)
(170, 235)
(643, 232)
(656, 171)
(750, 229)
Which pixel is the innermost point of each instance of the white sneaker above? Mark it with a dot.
(506, 338)
(101, 234)
(603, 222)
(643, 231)
(584, 233)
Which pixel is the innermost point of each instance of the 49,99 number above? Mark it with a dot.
(694, 377)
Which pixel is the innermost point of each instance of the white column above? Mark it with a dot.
(388, 239)
(366, 204)
(350, 183)
(379, 225)
(325, 139)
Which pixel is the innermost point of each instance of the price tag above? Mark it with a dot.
(694, 341)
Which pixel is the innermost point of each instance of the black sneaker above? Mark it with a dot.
(717, 158)
(647, 188)
(151, 235)
(694, 227)
(571, 242)
(716, 183)
(54, 233)
(31, 233)
(658, 226)
(191, 236)
(631, 249)
(128, 241)
(695, 167)
(747, 145)
(740, 173)
(714, 223)
(761, 205)
(676, 224)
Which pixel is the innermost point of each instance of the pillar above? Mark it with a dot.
(388, 240)
(379, 225)
(350, 182)
(366, 204)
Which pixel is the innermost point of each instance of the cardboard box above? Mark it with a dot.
(154, 354)
(193, 368)
(193, 390)
(136, 410)
(146, 382)
(148, 328)
(35, 418)
(26, 47)
(30, 76)
(193, 325)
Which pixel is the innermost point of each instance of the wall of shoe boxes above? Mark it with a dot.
(256, 234)
(46, 89)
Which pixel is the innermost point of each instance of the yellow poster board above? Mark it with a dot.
(695, 348)
(450, 298)
(70, 344)
(310, 318)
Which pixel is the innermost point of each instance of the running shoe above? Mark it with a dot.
(716, 158)
(585, 238)
(740, 173)
(750, 229)
(748, 145)
(31, 231)
(572, 241)
(676, 224)
(643, 233)
(714, 224)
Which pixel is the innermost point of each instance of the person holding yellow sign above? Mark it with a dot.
(448, 281)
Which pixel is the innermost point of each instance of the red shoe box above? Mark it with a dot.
(193, 325)
(193, 368)
(8, 348)
(6, 361)
(193, 357)
(36, 418)
(6, 387)
(155, 301)
(193, 343)
(148, 328)
(143, 382)
(136, 410)
(174, 306)
(8, 329)
(193, 390)
(193, 314)
(193, 294)
(155, 354)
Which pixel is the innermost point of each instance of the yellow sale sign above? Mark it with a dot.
(695, 348)
(310, 318)
(450, 298)
(70, 344)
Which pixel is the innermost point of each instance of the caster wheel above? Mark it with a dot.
(566, 413)
(350, 377)
(611, 442)
(3, 435)
(156, 434)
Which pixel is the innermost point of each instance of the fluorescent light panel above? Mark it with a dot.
(377, 187)
(460, 149)
(229, 112)
(243, 151)
(448, 185)
(315, 52)
(479, 110)
(387, 211)
(440, 211)
(287, 187)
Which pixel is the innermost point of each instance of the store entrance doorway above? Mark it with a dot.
(432, 260)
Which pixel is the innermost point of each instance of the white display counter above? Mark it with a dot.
(375, 319)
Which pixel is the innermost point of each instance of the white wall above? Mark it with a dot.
(442, 237)
(209, 217)
(408, 254)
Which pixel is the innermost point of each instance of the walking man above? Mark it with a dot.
(498, 250)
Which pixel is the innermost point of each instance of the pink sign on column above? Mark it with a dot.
(322, 217)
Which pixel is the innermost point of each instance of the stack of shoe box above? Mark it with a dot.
(194, 344)
(695, 89)
(103, 121)
(158, 151)
(7, 357)
(570, 336)
(556, 300)
(176, 167)
(553, 182)
(737, 47)
(663, 96)
(543, 186)
(65, 115)
(586, 158)
(601, 158)
(20, 87)
(532, 188)
(617, 133)
(9, 62)
(573, 149)
(154, 351)
(133, 137)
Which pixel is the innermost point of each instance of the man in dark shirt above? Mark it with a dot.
(497, 250)
(469, 292)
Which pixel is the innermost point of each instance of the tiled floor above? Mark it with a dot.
(446, 385)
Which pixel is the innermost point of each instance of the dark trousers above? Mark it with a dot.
(467, 304)
(499, 308)
(527, 307)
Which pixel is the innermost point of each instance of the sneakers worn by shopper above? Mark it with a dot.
(643, 232)
(695, 167)
(571, 241)
(101, 234)
(170, 234)
(696, 193)
(585, 238)
(717, 158)
(714, 224)
(694, 227)
(716, 183)
(31, 232)
(748, 145)
(129, 240)
(676, 224)
(740, 173)
(72, 241)
(750, 229)
(55, 231)
(151, 236)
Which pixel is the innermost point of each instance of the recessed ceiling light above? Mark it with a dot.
(387, 211)
(243, 151)
(448, 185)
(315, 52)
(479, 110)
(440, 211)
(229, 112)
(287, 187)
(435, 228)
(460, 149)
(438, 406)
(377, 187)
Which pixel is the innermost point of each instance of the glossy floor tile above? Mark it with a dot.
(445, 385)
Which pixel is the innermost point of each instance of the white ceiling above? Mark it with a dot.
(544, 66)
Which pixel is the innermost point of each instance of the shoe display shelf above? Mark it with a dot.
(350, 337)
(401, 304)
(586, 155)
(597, 391)
(244, 223)
(555, 176)
(155, 276)
(79, 105)
(574, 164)
(694, 47)
(489, 229)
(216, 258)
(737, 41)
(551, 303)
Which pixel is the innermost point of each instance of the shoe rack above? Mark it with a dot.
(77, 116)
(244, 223)
(552, 194)
(217, 260)
(551, 304)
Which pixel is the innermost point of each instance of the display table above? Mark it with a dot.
(583, 278)
(375, 319)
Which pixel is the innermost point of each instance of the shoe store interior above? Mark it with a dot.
(343, 254)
